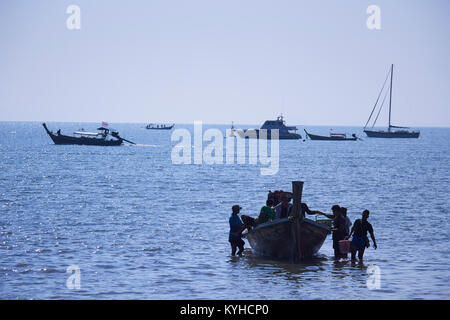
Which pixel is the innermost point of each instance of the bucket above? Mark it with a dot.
(344, 246)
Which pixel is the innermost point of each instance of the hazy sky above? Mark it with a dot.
(220, 61)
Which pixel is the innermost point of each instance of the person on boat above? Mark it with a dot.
(360, 240)
(267, 214)
(283, 209)
(58, 132)
(236, 228)
(275, 196)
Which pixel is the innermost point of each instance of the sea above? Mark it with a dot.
(89, 222)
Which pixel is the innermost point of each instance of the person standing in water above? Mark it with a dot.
(348, 222)
(236, 228)
(360, 240)
(339, 226)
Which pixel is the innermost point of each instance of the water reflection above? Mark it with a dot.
(287, 271)
(315, 268)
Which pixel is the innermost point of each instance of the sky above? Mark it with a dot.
(246, 61)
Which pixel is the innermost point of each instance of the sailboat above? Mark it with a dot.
(402, 132)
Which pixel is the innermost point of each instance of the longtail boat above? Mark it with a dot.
(292, 239)
(87, 138)
(332, 137)
(155, 126)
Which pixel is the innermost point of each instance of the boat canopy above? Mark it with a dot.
(88, 133)
(338, 134)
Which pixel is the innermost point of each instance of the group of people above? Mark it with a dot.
(341, 231)
(341, 225)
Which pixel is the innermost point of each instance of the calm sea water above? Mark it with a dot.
(140, 227)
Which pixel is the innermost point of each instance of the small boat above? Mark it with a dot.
(332, 137)
(284, 132)
(87, 138)
(389, 133)
(291, 239)
(156, 126)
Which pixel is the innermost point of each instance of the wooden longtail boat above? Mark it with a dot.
(331, 137)
(87, 138)
(292, 239)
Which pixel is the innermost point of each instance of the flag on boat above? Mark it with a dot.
(104, 124)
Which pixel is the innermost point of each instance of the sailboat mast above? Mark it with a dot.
(390, 98)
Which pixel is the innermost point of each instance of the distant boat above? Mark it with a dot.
(87, 138)
(332, 137)
(402, 133)
(155, 126)
(291, 239)
(284, 132)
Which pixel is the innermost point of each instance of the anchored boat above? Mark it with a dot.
(403, 132)
(284, 132)
(292, 239)
(87, 138)
(332, 137)
(155, 126)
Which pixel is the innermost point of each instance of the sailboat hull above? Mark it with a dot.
(392, 134)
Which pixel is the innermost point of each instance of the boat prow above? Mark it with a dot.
(274, 239)
(291, 239)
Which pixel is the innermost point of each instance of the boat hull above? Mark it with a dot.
(248, 134)
(325, 138)
(160, 128)
(275, 239)
(392, 134)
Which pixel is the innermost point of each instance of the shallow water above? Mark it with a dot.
(140, 227)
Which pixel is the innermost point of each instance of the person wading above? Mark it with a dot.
(360, 240)
(348, 222)
(339, 228)
(236, 228)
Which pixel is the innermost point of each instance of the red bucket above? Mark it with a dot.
(344, 246)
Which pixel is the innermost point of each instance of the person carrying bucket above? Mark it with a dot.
(360, 240)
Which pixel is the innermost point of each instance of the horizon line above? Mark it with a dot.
(213, 123)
